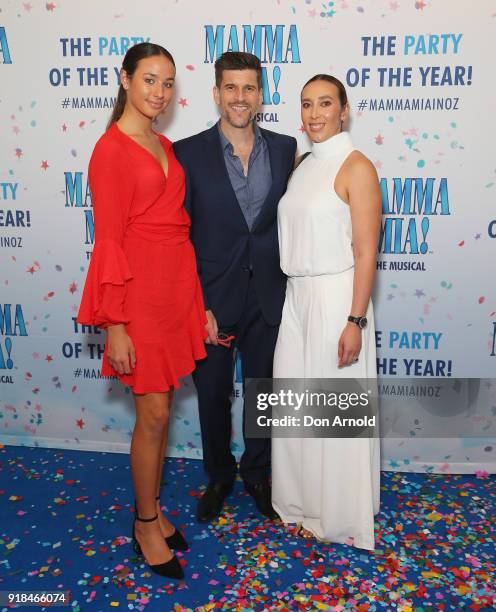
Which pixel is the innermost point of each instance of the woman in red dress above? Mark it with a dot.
(142, 285)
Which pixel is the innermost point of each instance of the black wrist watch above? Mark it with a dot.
(360, 321)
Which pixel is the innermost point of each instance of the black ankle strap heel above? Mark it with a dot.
(176, 540)
(169, 569)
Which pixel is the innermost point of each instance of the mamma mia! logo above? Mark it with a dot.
(272, 44)
(78, 195)
(11, 325)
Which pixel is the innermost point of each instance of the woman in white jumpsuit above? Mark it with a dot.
(329, 222)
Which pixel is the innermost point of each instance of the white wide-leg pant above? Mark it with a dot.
(330, 485)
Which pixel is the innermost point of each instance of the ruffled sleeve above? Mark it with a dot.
(112, 187)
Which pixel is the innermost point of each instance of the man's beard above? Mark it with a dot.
(233, 119)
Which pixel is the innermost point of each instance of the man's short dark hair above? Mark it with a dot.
(237, 60)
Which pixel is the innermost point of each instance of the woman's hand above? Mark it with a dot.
(120, 349)
(212, 328)
(350, 345)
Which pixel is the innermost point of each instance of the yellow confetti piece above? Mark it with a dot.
(463, 589)
(44, 569)
(465, 569)
(131, 596)
(430, 575)
(90, 553)
(80, 516)
(114, 604)
(409, 586)
(434, 516)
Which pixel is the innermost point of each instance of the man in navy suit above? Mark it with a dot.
(235, 175)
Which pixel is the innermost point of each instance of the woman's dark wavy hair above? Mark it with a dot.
(343, 97)
(129, 64)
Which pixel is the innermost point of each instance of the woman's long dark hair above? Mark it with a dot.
(129, 64)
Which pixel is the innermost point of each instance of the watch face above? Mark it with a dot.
(363, 322)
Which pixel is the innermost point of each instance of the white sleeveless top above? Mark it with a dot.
(314, 223)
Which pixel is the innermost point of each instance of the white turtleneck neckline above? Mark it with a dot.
(332, 146)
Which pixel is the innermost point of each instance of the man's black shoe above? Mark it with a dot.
(211, 502)
(261, 493)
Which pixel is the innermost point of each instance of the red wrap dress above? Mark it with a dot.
(143, 268)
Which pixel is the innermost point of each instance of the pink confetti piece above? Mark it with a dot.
(189, 67)
(482, 299)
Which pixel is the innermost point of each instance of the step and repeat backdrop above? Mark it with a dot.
(419, 79)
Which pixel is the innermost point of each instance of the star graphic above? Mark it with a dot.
(18, 153)
(477, 236)
(419, 293)
(44, 165)
(31, 270)
(73, 287)
(379, 139)
(64, 127)
(183, 102)
(80, 423)
(48, 358)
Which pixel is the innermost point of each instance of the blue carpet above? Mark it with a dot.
(65, 521)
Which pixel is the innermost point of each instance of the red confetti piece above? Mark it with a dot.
(482, 299)
(461, 243)
(73, 287)
(189, 67)
(82, 124)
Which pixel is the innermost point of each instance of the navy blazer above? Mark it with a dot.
(227, 252)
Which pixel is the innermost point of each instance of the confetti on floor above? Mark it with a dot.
(65, 521)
